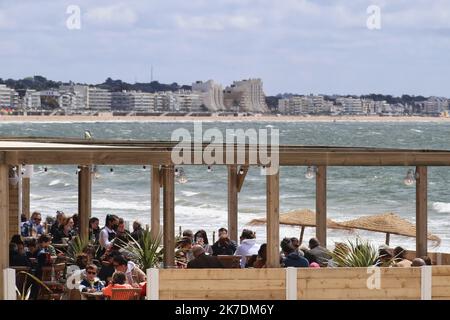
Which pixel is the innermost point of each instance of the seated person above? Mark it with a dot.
(17, 254)
(261, 258)
(44, 257)
(184, 252)
(91, 283)
(118, 282)
(418, 262)
(107, 268)
(247, 247)
(201, 260)
(65, 231)
(224, 246)
(134, 275)
(400, 259)
(318, 254)
(33, 227)
(291, 257)
(31, 248)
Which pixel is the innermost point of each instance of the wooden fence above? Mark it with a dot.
(300, 284)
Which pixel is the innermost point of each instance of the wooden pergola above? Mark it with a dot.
(86, 153)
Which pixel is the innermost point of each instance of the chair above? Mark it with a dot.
(230, 262)
(126, 294)
(57, 269)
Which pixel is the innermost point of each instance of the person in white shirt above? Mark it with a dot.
(248, 246)
(108, 233)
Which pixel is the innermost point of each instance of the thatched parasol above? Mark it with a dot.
(388, 223)
(302, 217)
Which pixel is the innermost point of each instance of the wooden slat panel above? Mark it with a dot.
(441, 281)
(226, 285)
(387, 282)
(223, 295)
(441, 271)
(355, 273)
(220, 274)
(440, 292)
(393, 293)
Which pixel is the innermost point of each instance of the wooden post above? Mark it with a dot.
(169, 215)
(26, 189)
(232, 203)
(155, 203)
(421, 211)
(84, 200)
(302, 232)
(321, 205)
(273, 220)
(388, 238)
(4, 223)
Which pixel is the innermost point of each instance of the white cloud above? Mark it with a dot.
(119, 14)
(216, 22)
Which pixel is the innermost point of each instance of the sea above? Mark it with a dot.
(201, 202)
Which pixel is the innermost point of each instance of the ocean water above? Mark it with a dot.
(202, 202)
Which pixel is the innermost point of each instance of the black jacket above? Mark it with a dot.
(204, 261)
(227, 249)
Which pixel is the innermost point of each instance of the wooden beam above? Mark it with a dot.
(169, 215)
(388, 238)
(273, 220)
(232, 203)
(84, 200)
(421, 211)
(4, 223)
(26, 189)
(241, 177)
(155, 202)
(321, 205)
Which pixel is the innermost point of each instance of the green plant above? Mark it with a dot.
(77, 247)
(25, 293)
(145, 252)
(360, 253)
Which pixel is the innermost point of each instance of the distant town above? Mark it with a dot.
(39, 96)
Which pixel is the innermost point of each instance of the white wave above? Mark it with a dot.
(120, 205)
(441, 207)
(54, 182)
(416, 130)
(189, 193)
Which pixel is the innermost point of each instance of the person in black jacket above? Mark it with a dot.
(202, 260)
(224, 246)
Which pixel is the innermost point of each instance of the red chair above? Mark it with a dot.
(126, 294)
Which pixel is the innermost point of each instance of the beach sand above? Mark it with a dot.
(257, 118)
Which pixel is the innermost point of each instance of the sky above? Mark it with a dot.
(297, 46)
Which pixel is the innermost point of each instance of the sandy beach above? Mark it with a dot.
(257, 118)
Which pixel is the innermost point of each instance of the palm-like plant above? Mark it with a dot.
(146, 251)
(360, 253)
(25, 293)
(76, 247)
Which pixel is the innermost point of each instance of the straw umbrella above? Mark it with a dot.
(302, 217)
(388, 223)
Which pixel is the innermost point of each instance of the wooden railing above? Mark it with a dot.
(303, 283)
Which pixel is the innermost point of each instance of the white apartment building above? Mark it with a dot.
(187, 101)
(32, 100)
(133, 100)
(8, 97)
(283, 106)
(435, 105)
(165, 102)
(351, 105)
(212, 94)
(246, 95)
(99, 99)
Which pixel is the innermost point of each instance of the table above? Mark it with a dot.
(93, 295)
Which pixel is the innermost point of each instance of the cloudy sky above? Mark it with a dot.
(300, 46)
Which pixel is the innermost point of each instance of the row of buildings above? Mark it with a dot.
(241, 96)
(317, 104)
